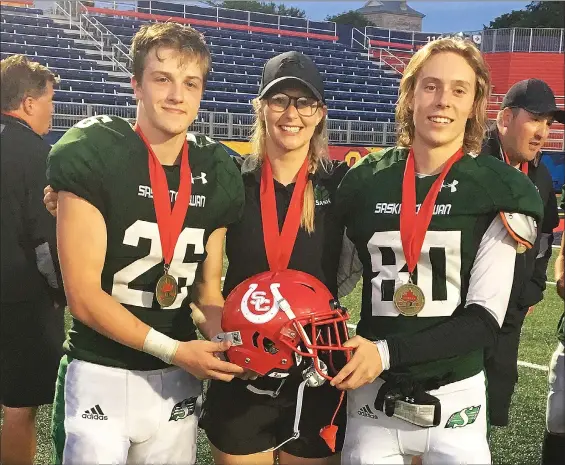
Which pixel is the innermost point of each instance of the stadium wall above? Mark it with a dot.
(508, 68)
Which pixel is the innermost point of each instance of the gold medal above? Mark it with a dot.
(409, 299)
(521, 248)
(167, 290)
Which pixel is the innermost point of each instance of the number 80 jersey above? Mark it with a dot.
(473, 193)
(102, 160)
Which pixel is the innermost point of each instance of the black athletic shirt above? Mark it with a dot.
(317, 253)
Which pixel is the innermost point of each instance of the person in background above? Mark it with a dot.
(553, 448)
(517, 137)
(32, 301)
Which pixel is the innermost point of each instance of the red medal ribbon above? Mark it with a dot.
(170, 221)
(278, 247)
(413, 226)
(523, 166)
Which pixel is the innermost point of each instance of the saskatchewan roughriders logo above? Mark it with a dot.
(465, 417)
(183, 409)
(322, 196)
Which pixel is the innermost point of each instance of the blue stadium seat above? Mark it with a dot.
(29, 49)
(27, 20)
(18, 9)
(36, 40)
(82, 75)
(32, 30)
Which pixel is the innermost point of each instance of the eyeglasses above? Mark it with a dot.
(305, 106)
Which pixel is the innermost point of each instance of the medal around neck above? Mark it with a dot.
(170, 219)
(166, 290)
(409, 299)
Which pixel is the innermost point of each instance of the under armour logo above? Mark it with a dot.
(260, 302)
(452, 186)
(202, 178)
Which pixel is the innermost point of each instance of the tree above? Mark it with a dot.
(536, 14)
(258, 7)
(350, 18)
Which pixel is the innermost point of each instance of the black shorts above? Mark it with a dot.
(31, 340)
(240, 422)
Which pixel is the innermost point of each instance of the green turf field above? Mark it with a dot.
(518, 443)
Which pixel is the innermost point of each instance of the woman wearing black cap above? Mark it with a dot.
(247, 421)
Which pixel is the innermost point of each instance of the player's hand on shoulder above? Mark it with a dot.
(363, 368)
(199, 358)
(50, 200)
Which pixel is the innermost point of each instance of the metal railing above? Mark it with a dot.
(359, 39)
(90, 29)
(487, 40)
(523, 40)
(236, 126)
(230, 126)
(224, 15)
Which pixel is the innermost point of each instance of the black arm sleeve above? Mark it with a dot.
(472, 329)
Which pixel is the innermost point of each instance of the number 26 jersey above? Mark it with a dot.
(102, 160)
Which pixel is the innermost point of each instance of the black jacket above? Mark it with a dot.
(531, 266)
(30, 270)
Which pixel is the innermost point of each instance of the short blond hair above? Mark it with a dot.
(317, 154)
(184, 39)
(21, 78)
(476, 125)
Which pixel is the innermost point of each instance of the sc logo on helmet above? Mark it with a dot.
(262, 310)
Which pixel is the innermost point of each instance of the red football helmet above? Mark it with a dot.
(278, 320)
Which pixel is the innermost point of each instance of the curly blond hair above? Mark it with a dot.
(476, 126)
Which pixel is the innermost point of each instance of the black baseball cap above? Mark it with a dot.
(292, 66)
(535, 96)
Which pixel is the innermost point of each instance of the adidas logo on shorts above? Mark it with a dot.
(95, 413)
(365, 411)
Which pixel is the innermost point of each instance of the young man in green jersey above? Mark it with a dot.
(141, 219)
(437, 229)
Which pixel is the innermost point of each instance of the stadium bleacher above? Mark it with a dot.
(358, 88)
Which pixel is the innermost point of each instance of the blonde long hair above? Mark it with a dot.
(476, 126)
(317, 154)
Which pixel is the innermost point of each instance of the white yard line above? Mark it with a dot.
(532, 365)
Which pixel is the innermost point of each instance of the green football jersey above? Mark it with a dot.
(475, 190)
(104, 161)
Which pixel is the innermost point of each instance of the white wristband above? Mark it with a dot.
(382, 347)
(160, 346)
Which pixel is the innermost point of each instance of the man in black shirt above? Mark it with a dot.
(32, 299)
(517, 136)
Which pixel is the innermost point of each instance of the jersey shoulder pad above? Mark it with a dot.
(226, 175)
(101, 129)
(382, 159)
(522, 228)
(332, 169)
(507, 188)
(78, 162)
